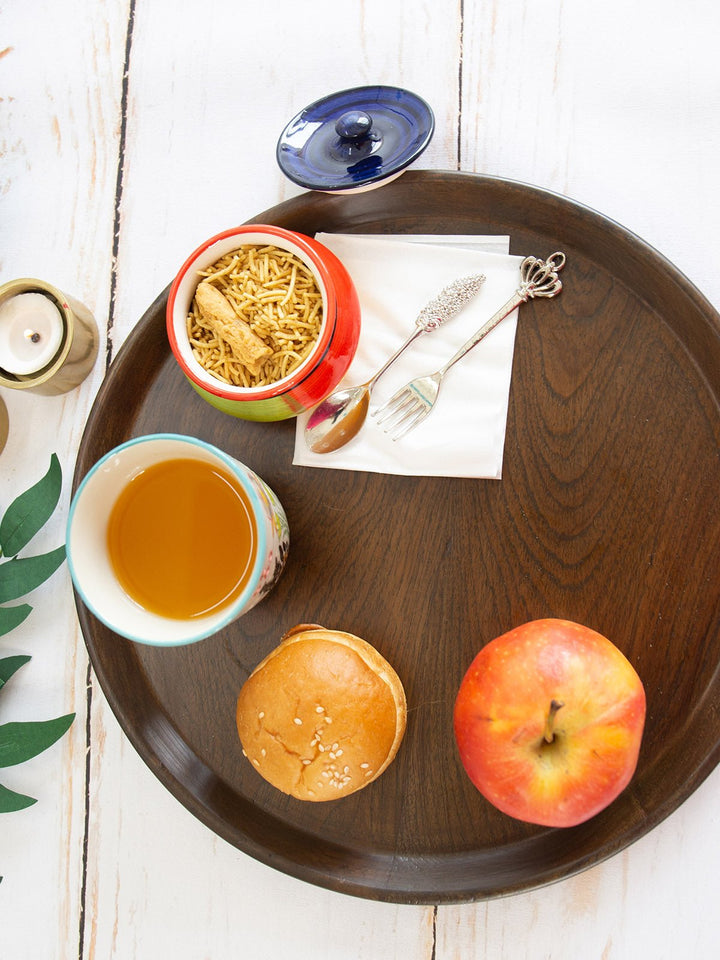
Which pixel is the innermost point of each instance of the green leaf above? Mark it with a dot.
(30, 511)
(8, 666)
(11, 617)
(20, 576)
(11, 801)
(22, 741)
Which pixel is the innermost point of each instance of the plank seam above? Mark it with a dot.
(460, 82)
(108, 358)
(119, 181)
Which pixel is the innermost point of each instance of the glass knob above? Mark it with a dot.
(353, 125)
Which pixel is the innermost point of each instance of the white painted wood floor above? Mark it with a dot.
(130, 131)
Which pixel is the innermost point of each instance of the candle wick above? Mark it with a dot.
(33, 336)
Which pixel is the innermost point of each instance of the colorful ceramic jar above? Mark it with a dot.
(328, 360)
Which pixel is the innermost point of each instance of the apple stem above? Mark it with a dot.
(548, 733)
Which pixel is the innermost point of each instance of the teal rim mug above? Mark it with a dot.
(91, 567)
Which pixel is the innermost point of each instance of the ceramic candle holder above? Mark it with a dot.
(78, 349)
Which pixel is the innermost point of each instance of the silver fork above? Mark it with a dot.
(413, 402)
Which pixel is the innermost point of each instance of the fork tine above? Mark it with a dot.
(395, 404)
(408, 412)
(409, 422)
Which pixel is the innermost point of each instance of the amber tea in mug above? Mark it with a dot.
(181, 538)
(170, 539)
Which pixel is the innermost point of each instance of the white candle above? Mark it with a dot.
(31, 332)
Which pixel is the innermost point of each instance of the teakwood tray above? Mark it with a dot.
(608, 513)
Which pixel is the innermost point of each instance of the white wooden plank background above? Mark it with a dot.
(129, 131)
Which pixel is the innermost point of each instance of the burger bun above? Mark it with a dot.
(323, 715)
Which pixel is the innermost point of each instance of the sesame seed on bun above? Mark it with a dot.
(323, 715)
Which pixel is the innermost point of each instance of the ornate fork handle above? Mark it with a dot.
(538, 278)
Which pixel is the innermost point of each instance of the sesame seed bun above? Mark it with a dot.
(323, 715)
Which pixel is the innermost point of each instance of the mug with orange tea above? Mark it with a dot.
(170, 539)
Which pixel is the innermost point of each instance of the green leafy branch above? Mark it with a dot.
(25, 516)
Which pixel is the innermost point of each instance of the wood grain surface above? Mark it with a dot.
(605, 382)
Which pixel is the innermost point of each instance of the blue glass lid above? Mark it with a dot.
(355, 138)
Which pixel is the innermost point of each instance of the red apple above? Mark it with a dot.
(548, 721)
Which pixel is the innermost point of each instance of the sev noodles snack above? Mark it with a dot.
(255, 316)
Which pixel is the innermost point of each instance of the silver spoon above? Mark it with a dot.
(341, 415)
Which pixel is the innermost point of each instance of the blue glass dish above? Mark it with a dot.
(355, 139)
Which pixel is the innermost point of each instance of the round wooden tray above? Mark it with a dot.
(608, 513)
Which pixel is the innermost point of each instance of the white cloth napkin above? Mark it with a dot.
(395, 277)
